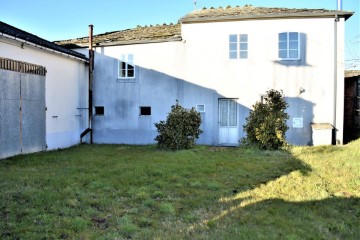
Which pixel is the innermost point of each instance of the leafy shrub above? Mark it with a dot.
(180, 130)
(266, 124)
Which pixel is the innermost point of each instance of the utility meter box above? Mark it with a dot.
(322, 133)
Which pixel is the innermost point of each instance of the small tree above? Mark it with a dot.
(266, 124)
(180, 130)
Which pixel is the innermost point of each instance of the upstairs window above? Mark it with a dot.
(289, 46)
(126, 66)
(238, 46)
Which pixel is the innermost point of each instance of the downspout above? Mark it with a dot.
(90, 102)
(91, 69)
(335, 79)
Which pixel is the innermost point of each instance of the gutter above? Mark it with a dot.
(42, 47)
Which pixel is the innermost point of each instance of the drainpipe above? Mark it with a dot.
(335, 78)
(91, 69)
(90, 98)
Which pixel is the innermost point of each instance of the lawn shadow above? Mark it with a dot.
(257, 213)
(330, 218)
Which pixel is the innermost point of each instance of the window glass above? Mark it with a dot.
(233, 47)
(233, 55)
(233, 38)
(293, 36)
(293, 45)
(238, 46)
(126, 66)
(289, 45)
(283, 37)
(232, 114)
(243, 37)
(243, 54)
(243, 46)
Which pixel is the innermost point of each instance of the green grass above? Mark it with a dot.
(138, 192)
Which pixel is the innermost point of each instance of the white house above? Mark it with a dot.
(43, 93)
(220, 61)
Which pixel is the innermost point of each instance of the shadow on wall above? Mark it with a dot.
(123, 120)
(301, 116)
(302, 62)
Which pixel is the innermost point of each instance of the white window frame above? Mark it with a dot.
(239, 46)
(126, 60)
(286, 46)
(200, 108)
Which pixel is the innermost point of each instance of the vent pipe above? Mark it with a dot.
(339, 5)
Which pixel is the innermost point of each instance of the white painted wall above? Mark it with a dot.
(198, 71)
(66, 90)
(208, 64)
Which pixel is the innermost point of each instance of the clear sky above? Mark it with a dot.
(65, 19)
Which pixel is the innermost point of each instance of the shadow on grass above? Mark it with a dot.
(91, 190)
(331, 218)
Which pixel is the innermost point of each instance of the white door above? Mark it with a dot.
(228, 122)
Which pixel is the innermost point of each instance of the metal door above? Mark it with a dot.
(228, 122)
(22, 108)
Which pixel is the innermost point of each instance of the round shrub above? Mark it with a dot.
(266, 125)
(180, 130)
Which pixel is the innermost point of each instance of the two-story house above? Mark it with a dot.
(220, 61)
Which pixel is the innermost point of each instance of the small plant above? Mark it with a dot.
(266, 124)
(180, 130)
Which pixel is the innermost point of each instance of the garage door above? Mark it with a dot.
(22, 108)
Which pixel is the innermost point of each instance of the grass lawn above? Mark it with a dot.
(138, 192)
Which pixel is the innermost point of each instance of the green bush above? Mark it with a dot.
(180, 130)
(266, 124)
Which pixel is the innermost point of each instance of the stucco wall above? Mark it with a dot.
(197, 70)
(247, 79)
(65, 87)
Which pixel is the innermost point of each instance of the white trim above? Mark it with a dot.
(288, 47)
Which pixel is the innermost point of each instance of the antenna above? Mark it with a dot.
(195, 4)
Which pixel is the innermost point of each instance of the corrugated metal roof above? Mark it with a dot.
(158, 33)
(20, 34)
(352, 73)
(251, 12)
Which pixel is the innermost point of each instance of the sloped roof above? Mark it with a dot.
(173, 32)
(251, 12)
(158, 33)
(28, 37)
(352, 73)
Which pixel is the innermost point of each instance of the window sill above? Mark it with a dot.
(288, 59)
(126, 80)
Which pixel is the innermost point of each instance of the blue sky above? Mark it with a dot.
(59, 20)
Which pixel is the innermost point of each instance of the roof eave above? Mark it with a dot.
(344, 14)
(131, 42)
